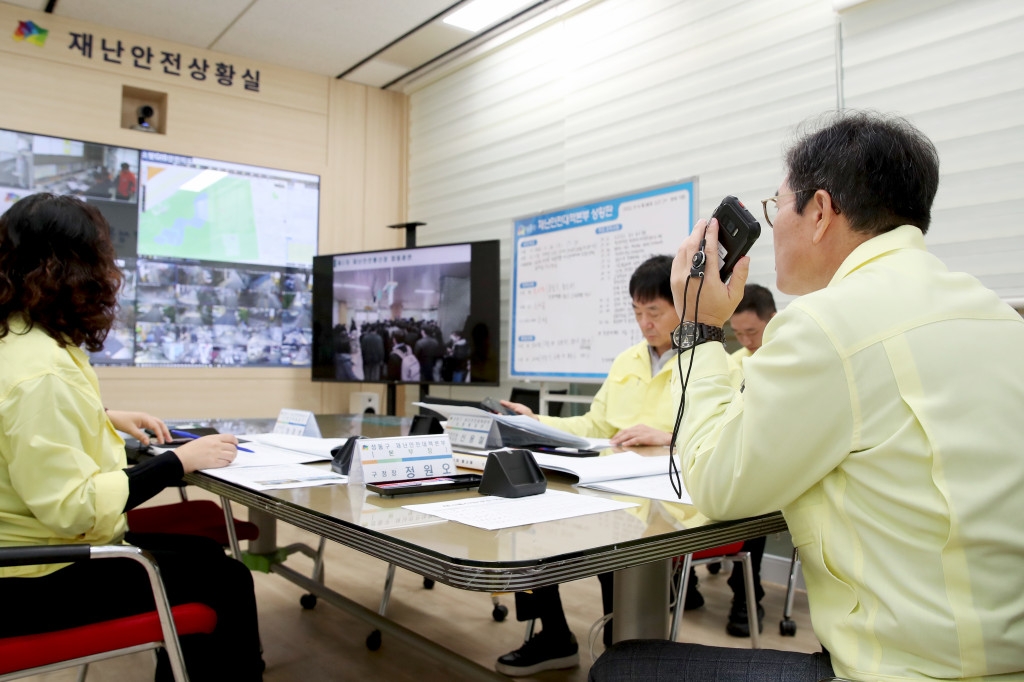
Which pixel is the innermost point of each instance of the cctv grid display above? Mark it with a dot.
(571, 311)
(426, 314)
(216, 256)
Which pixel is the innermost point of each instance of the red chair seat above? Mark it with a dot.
(191, 517)
(722, 550)
(31, 651)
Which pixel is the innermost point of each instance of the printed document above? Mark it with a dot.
(277, 476)
(604, 468)
(321, 447)
(653, 487)
(494, 513)
(518, 428)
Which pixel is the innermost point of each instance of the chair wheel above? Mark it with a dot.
(308, 601)
(373, 640)
(428, 584)
(787, 628)
(499, 612)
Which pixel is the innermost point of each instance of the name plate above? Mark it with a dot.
(297, 423)
(473, 431)
(401, 458)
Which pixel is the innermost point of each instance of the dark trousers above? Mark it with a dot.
(739, 593)
(193, 569)
(657, 660)
(545, 603)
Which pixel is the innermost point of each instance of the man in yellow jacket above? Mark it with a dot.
(882, 415)
(633, 407)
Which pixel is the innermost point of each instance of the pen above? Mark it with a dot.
(188, 434)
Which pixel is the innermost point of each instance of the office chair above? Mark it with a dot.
(531, 398)
(24, 655)
(195, 517)
(787, 627)
(706, 556)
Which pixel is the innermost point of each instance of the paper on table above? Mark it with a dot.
(268, 455)
(531, 425)
(654, 487)
(518, 422)
(599, 443)
(278, 476)
(314, 446)
(493, 513)
(607, 468)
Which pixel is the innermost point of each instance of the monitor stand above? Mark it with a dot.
(392, 397)
(410, 242)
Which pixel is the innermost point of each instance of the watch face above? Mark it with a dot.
(682, 337)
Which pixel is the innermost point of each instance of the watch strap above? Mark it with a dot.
(690, 334)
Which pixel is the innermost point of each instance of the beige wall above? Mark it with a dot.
(354, 137)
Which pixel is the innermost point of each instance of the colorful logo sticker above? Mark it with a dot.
(28, 30)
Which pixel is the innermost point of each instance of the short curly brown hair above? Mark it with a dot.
(57, 269)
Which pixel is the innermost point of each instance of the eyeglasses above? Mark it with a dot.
(771, 205)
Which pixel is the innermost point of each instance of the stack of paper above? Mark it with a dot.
(277, 461)
(514, 430)
(277, 476)
(320, 447)
(625, 473)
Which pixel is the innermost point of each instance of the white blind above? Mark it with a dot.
(956, 69)
(624, 94)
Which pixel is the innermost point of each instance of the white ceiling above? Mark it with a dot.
(327, 37)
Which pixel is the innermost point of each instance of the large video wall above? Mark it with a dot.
(217, 256)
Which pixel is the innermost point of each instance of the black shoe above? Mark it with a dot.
(541, 652)
(694, 599)
(738, 625)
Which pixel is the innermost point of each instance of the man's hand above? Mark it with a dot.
(717, 300)
(519, 408)
(208, 452)
(133, 423)
(641, 434)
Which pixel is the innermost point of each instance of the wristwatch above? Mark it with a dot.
(690, 334)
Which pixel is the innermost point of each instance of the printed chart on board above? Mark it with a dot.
(571, 311)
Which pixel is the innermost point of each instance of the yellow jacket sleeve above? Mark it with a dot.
(739, 463)
(593, 424)
(64, 472)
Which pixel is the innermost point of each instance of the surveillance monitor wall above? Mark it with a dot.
(217, 256)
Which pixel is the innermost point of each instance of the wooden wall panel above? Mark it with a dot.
(299, 121)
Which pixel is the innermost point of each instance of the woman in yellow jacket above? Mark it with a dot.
(63, 474)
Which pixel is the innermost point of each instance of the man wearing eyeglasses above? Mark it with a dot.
(882, 415)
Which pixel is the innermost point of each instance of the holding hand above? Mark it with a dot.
(641, 434)
(134, 423)
(717, 299)
(519, 408)
(208, 452)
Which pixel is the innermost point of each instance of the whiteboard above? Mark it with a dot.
(571, 311)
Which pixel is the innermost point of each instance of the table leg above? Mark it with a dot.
(266, 543)
(640, 602)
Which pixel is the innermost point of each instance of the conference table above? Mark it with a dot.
(637, 543)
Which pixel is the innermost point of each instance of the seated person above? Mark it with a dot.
(897, 467)
(63, 473)
(633, 407)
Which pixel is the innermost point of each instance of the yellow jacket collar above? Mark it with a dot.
(903, 237)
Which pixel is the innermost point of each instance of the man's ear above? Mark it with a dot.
(821, 204)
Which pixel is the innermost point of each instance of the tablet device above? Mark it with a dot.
(426, 485)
